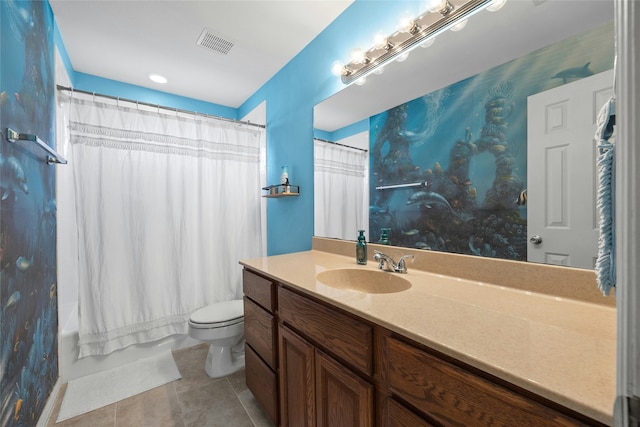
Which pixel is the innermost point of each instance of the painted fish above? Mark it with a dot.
(422, 245)
(16, 412)
(522, 198)
(23, 264)
(411, 232)
(13, 300)
(4, 98)
(574, 73)
(428, 199)
(498, 148)
(376, 210)
(12, 176)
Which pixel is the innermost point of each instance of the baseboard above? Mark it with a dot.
(51, 403)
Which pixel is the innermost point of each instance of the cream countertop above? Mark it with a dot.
(558, 348)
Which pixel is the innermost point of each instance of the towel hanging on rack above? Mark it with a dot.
(606, 263)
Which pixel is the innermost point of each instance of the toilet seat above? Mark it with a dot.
(219, 315)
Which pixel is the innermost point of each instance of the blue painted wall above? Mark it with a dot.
(342, 133)
(290, 96)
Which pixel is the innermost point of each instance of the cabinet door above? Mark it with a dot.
(342, 398)
(297, 380)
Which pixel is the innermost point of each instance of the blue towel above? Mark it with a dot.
(606, 262)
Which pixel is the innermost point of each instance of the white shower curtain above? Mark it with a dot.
(166, 205)
(340, 191)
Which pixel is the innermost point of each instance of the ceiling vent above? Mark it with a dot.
(215, 42)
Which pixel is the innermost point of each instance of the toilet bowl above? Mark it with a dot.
(221, 325)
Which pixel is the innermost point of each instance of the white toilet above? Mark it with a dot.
(222, 326)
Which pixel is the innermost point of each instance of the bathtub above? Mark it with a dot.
(72, 368)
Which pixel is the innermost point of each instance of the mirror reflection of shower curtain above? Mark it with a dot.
(166, 205)
(341, 195)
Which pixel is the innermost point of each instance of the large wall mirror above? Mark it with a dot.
(544, 196)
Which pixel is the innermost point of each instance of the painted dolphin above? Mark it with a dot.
(12, 176)
(574, 73)
(428, 199)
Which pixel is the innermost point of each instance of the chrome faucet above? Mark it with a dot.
(386, 263)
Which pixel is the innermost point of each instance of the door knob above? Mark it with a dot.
(535, 240)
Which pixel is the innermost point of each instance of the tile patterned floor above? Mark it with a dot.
(195, 400)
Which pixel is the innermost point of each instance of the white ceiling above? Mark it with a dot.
(127, 40)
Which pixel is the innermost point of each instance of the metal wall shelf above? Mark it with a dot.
(281, 190)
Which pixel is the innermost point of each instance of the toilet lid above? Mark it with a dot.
(219, 312)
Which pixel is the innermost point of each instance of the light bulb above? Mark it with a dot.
(402, 57)
(460, 25)
(434, 6)
(361, 81)
(496, 5)
(357, 56)
(428, 42)
(337, 69)
(379, 70)
(381, 41)
(406, 22)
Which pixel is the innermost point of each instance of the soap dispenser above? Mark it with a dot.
(384, 236)
(361, 249)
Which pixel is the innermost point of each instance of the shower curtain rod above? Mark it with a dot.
(177, 110)
(342, 145)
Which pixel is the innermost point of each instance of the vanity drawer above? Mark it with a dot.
(397, 415)
(454, 396)
(259, 331)
(262, 382)
(259, 289)
(332, 330)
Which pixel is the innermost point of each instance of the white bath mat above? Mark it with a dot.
(104, 388)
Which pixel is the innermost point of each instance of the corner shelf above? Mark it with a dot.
(275, 191)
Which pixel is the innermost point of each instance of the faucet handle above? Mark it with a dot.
(382, 259)
(402, 266)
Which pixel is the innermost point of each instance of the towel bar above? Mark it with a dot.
(53, 156)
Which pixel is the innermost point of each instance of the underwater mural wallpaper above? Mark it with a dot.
(28, 290)
(464, 149)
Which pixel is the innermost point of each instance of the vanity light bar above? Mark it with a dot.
(426, 26)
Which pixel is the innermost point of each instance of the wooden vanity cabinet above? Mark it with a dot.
(310, 363)
(261, 338)
(315, 388)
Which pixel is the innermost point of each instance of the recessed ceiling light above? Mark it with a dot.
(158, 78)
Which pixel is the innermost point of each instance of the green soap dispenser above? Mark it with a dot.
(384, 236)
(361, 249)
